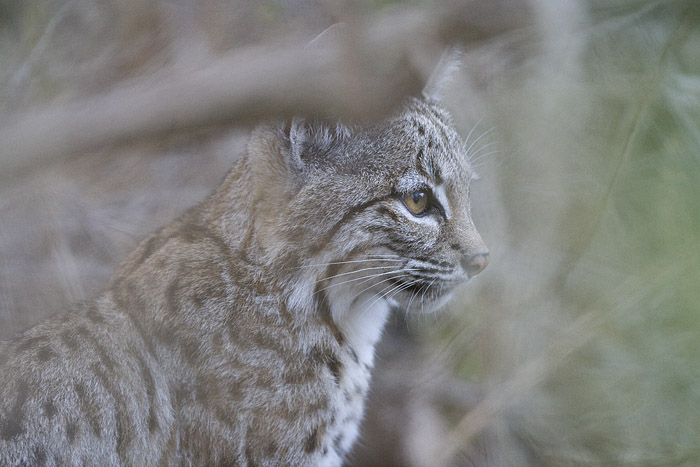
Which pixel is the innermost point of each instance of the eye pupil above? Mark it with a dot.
(416, 202)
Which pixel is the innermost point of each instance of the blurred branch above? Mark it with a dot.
(458, 393)
(363, 75)
(649, 91)
(24, 71)
(526, 377)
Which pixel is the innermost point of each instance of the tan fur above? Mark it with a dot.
(243, 333)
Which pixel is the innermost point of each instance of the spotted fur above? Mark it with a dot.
(243, 334)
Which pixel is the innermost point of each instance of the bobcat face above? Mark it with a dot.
(427, 222)
(391, 209)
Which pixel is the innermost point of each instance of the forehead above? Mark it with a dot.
(433, 147)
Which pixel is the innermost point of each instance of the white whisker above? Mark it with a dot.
(376, 284)
(354, 272)
(477, 139)
(371, 276)
(393, 291)
(469, 135)
(367, 260)
(422, 298)
(414, 294)
(406, 285)
(479, 149)
(485, 155)
(378, 297)
(391, 288)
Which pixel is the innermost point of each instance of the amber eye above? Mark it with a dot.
(417, 202)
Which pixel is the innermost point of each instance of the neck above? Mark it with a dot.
(361, 319)
(234, 210)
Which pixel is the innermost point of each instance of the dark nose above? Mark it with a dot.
(474, 264)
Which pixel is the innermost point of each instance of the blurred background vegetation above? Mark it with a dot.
(578, 346)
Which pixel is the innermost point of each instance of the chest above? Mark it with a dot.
(304, 408)
(347, 407)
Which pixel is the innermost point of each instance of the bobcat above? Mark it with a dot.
(244, 332)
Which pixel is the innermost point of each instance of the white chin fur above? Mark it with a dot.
(361, 319)
(425, 306)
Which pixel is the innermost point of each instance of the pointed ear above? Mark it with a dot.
(300, 133)
(277, 155)
(312, 142)
(449, 64)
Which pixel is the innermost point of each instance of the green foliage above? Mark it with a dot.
(617, 239)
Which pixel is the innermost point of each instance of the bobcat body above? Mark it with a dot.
(244, 332)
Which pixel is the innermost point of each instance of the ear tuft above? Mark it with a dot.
(298, 135)
(449, 64)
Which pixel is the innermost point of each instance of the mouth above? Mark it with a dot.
(428, 285)
(423, 295)
(413, 287)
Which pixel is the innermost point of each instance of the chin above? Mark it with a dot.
(426, 303)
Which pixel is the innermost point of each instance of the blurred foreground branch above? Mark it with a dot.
(364, 74)
(526, 377)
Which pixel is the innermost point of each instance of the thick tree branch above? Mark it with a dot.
(364, 73)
